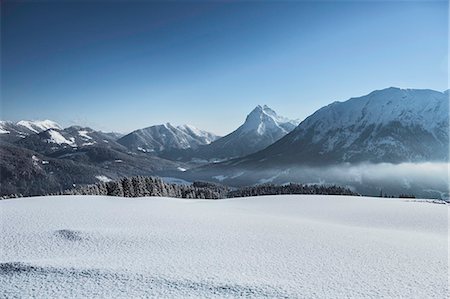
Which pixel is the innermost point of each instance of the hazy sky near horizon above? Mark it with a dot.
(119, 66)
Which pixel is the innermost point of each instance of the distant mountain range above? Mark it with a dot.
(391, 125)
(45, 161)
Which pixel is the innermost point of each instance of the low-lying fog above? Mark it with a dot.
(428, 180)
(424, 180)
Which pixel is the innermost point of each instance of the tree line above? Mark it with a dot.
(271, 189)
(141, 186)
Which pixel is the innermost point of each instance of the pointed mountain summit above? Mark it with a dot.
(166, 137)
(264, 120)
(262, 127)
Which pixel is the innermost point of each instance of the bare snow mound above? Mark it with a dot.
(267, 247)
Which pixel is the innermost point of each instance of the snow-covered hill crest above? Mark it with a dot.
(260, 247)
(25, 127)
(13, 131)
(166, 136)
(39, 125)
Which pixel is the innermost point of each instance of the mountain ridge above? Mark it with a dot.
(166, 136)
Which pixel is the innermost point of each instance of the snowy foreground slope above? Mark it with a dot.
(275, 247)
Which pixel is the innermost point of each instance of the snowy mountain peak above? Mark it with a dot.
(39, 125)
(263, 119)
(12, 131)
(166, 136)
(261, 128)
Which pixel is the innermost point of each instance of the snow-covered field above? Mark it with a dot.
(265, 247)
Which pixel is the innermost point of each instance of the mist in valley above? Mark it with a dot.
(422, 180)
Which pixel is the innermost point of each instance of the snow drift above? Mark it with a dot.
(273, 247)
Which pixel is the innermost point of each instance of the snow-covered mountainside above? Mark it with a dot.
(55, 159)
(391, 125)
(166, 136)
(37, 172)
(265, 121)
(10, 131)
(39, 126)
(71, 138)
(261, 128)
(298, 246)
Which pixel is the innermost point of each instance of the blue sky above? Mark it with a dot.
(119, 66)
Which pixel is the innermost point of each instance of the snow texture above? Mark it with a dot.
(56, 137)
(84, 134)
(196, 133)
(103, 178)
(3, 129)
(267, 247)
